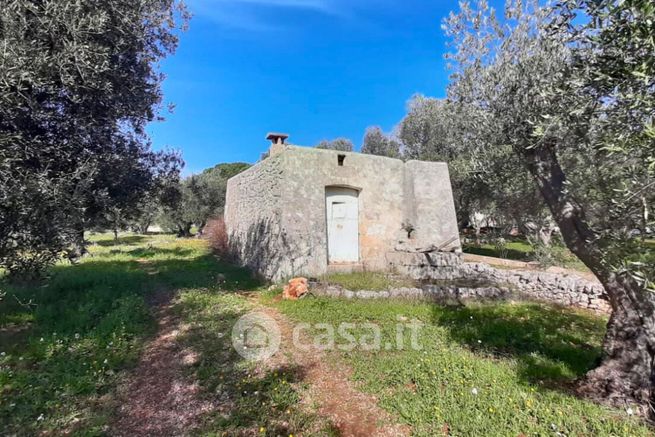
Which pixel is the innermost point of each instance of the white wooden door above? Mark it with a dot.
(342, 209)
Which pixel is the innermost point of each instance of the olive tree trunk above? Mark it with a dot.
(645, 213)
(626, 372)
(77, 247)
(184, 229)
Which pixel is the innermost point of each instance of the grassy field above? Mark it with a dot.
(68, 343)
(518, 250)
(521, 250)
(502, 369)
(262, 401)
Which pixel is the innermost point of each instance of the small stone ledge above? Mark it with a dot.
(432, 293)
(428, 259)
(563, 289)
(449, 295)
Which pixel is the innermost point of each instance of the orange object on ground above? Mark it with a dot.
(295, 288)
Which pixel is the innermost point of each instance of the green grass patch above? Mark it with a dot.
(262, 401)
(375, 281)
(521, 250)
(517, 250)
(501, 369)
(65, 342)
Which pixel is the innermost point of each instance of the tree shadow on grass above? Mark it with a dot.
(248, 397)
(128, 240)
(513, 254)
(551, 345)
(79, 295)
(152, 251)
(85, 320)
(78, 298)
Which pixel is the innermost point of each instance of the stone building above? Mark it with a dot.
(308, 211)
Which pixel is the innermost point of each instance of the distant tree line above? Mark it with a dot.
(79, 84)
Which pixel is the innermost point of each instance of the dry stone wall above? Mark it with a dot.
(433, 293)
(440, 267)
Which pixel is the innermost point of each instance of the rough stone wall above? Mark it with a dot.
(563, 289)
(292, 184)
(253, 216)
(439, 294)
(428, 184)
(379, 182)
(275, 217)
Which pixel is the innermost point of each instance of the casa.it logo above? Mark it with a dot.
(256, 336)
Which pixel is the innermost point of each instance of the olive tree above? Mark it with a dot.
(199, 198)
(79, 82)
(341, 144)
(490, 182)
(377, 142)
(573, 99)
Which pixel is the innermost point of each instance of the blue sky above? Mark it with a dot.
(316, 69)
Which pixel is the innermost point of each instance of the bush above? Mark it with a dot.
(544, 255)
(216, 233)
(500, 245)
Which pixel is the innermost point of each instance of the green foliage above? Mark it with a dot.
(556, 93)
(65, 343)
(616, 65)
(199, 198)
(130, 186)
(519, 250)
(573, 99)
(520, 358)
(227, 170)
(500, 245)
(80, 82)
(341, 144)
(377, 143)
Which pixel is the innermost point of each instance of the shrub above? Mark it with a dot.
(544, 255)
(216, 233)
(500, 245)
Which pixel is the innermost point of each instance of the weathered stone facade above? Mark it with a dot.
(276, 211)
(276, 217)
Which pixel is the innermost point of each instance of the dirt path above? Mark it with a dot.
(353, 413)
(159, 400)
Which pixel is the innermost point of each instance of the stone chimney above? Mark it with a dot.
(277, 142)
